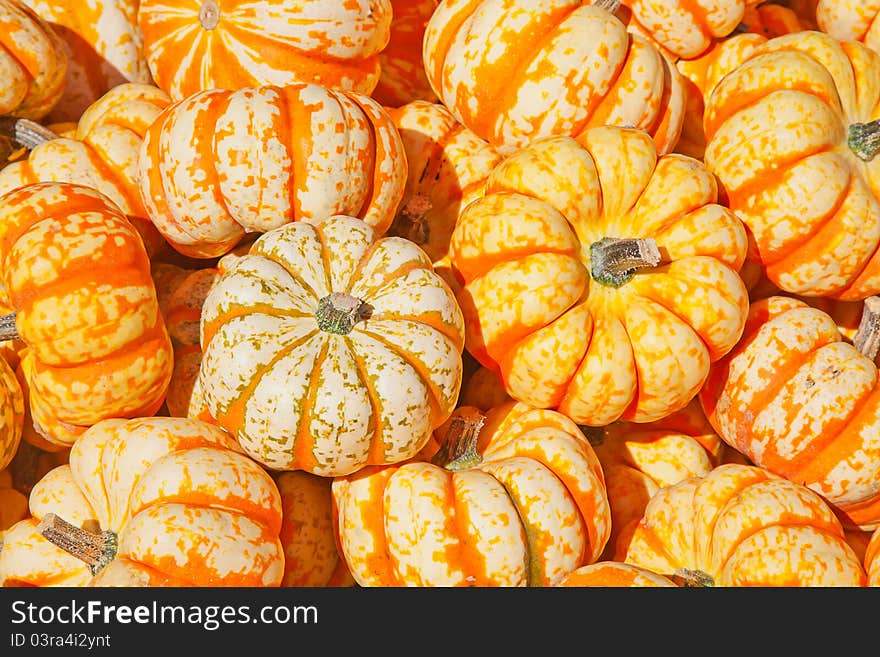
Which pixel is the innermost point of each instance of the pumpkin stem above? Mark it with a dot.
(863, 139)
(209, 14)
(338, 312)
(25, 132)
(688, 578)
(7, 328)
(867, 338)
(95, 548)
(410, 222)
(614, 261)
(459, 448)
(608, 5)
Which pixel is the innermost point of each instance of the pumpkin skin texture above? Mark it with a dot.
(614, 573)
(33, 63)
(513, 72)
(104, 48)
(562, 336)
(872, 559)
(851, 20)
(77, 275)
(742, 525)
(527, 508)
(403, 79)
(102, 153)
(223, 163)
(797, 399)
(311, 557)
(223, 44)
(780, 139)
(447, 168)
(300, 391)
(11, 413)
(187, 507)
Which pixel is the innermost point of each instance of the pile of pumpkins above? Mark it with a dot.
(440, 293)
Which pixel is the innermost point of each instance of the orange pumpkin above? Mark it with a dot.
(447, 168)
(102, 153)
(872, 559)
(276, 154)
(742, 525)
(515, 497)
(403, 79)
(614, 573)
(104, 48)
(311, 556)
(851, 20)
(514, 72)
(798, 399)
(790, 135)
(76, 274)
(149, 502)
(11, 413)
(328, 347)
(224, 44)
(590, 287)
(33, 62)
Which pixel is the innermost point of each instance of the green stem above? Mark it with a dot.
(863, 139)
(459, 448)
(94, 548)
(338, 312)
(614, 261)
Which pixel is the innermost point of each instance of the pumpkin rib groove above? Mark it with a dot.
(459, 521)
(303, 445)
(374, 426)
(291, 272)
(373, 148)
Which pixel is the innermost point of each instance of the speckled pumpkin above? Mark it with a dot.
(311, 556)
(150, 502)
(11, 413)
(798, 399)
(515, 497)
(590, 287)
(872, 559)
(514, 72)
(741, 525)
(33, 62)
(76, 274)
(328, 347)
(195, 45)
(223, 163)
(851, 20)
(614, 574)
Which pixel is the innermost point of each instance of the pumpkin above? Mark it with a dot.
(515, 497)
(614, 573)
(773, 20)
(327, 348)
(149, 501)
(11, 413)
(590, 287)
(223, 163)
(76, 274)
(447, 168)
(483, 389)
(798, 399)
(308, 536)
(33, 63)
(102, 153)
(181, 293)
(872, 558)
(513, 72)
(741, 525)
(104, 48)
(850, 20)
(223, 44)
(789, 136)
(403, 79)
(640, 459)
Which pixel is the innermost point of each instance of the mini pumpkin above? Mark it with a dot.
(614, 574)
(328, 347)
(872, 558)
(741, 525)
(149, 502)
(77, 276)
(224, 44)
(514, 72)
(513, 497)
(590, 287)
(221, 163)
(11, 413)
(851, 20)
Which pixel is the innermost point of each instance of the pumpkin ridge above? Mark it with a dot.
(303, 458)
(373, 148)
(293, 273)
(108, 171)
(467, 552)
